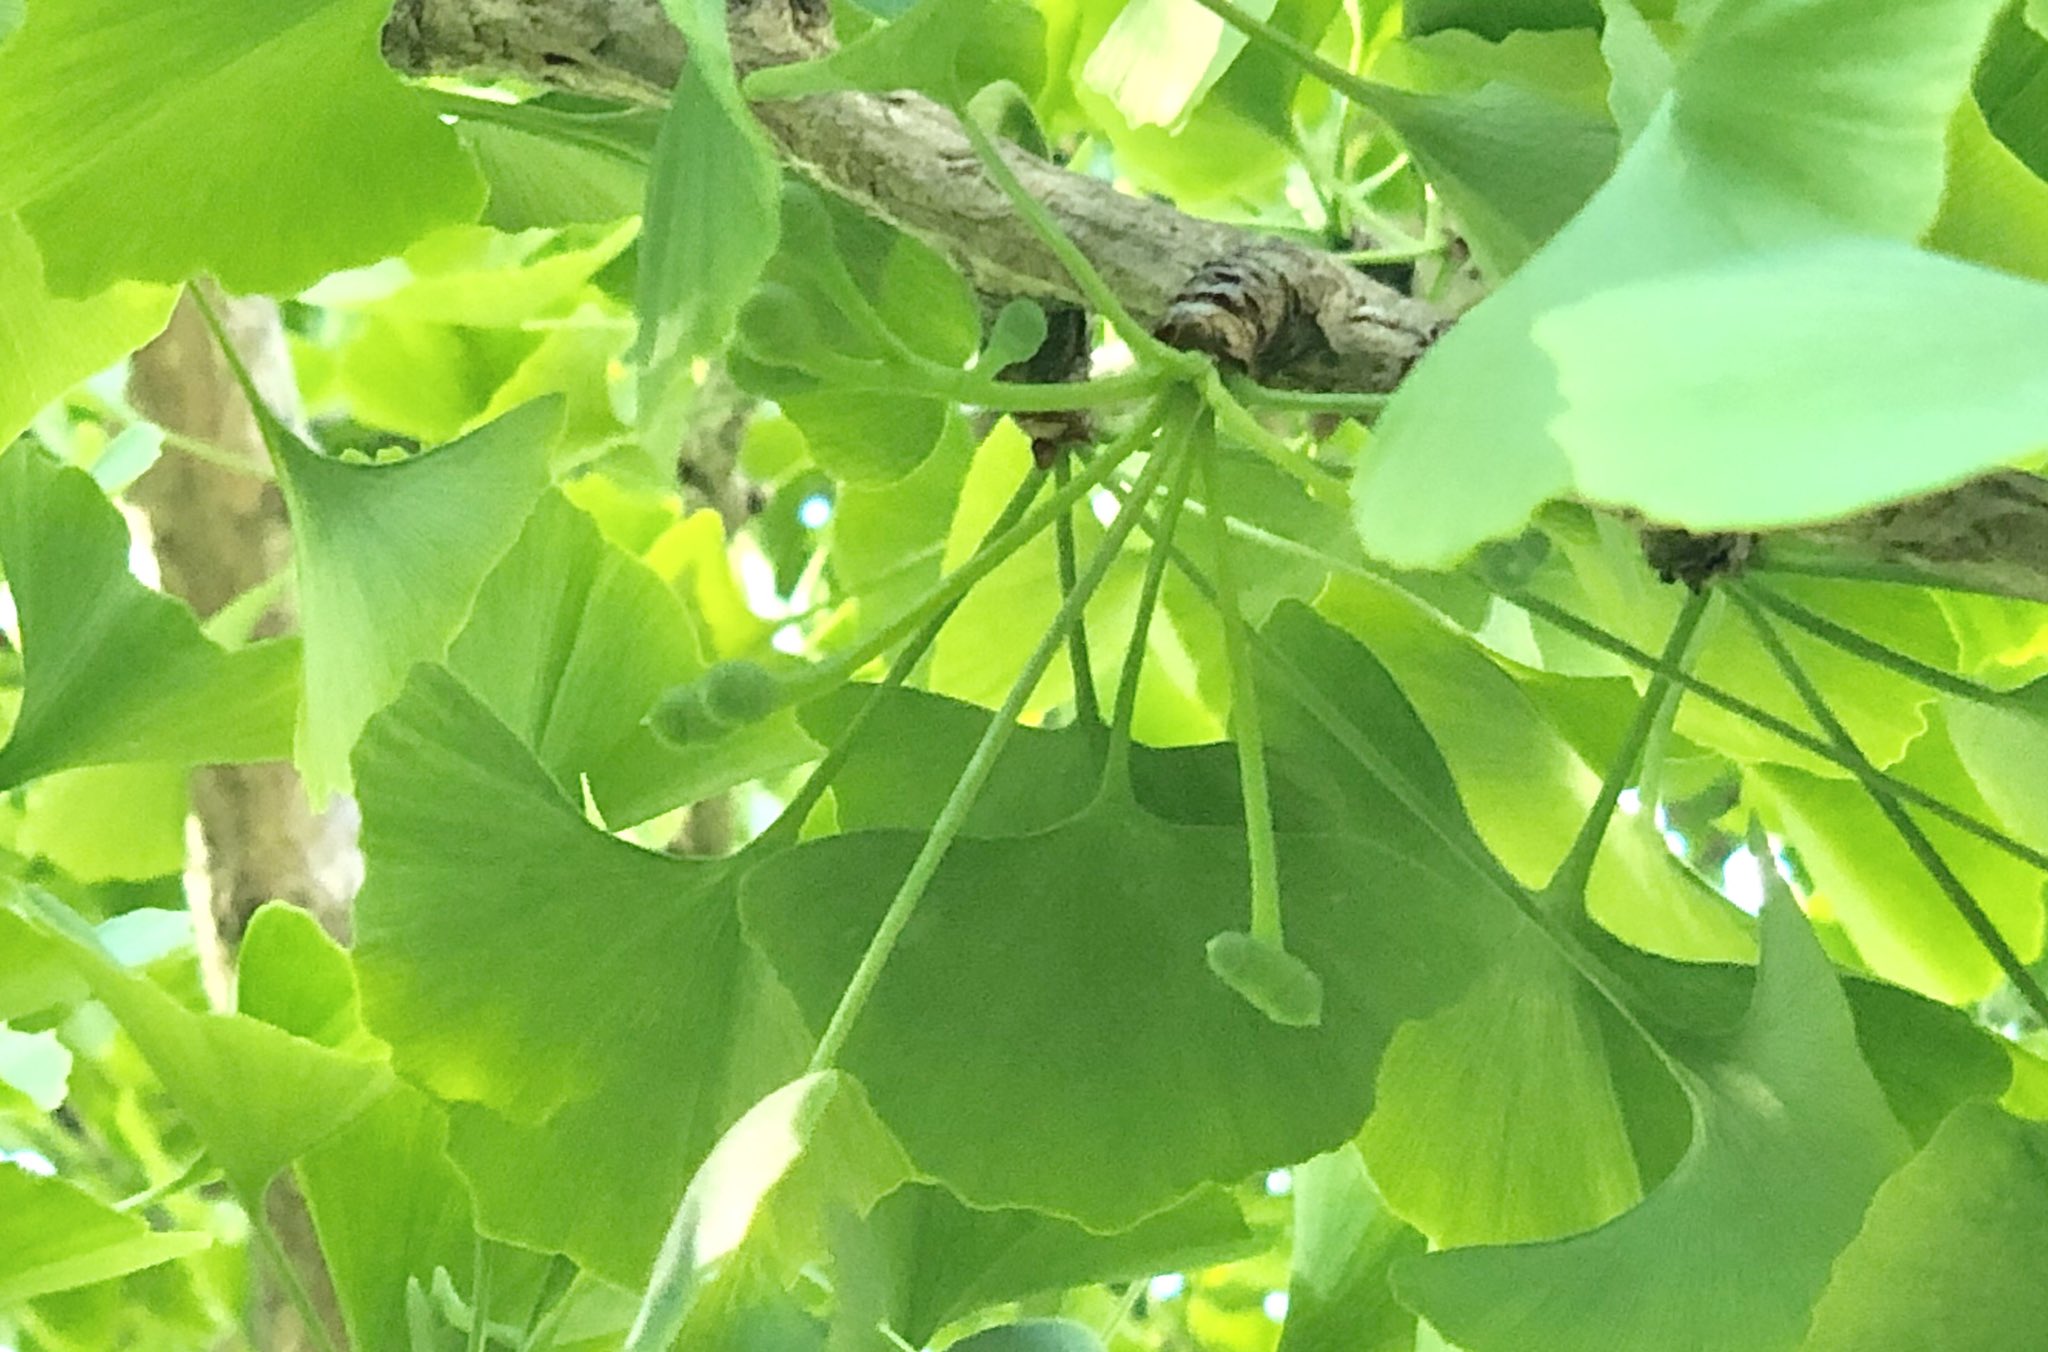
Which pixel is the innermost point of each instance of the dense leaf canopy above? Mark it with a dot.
(1024, 675)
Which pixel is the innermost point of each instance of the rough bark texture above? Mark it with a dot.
(254, 837)
(218, 533)
(903, 157)
(1292, 314)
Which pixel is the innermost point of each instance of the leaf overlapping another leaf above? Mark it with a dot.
(117, 673)
(1861, 154)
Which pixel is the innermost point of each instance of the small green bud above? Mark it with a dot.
(735, 693)
(680, 718)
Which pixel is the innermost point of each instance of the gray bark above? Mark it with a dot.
(1212, 286)
(253, 836)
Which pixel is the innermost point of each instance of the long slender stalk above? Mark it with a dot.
(1567, 886)
(1236, 419)
(1086, 709)
(1770, 722)
(1260, 842)
(1856, 645)
(480, 1295)
(829, 676)
(953, 815)
(997, 396)
(542, 1338)
(1116, 765)
(791, 819)
(1101, 296)
(1266, 35)
(201, 1170)
(1952, 887)
(1344, 402)
(1450, 831)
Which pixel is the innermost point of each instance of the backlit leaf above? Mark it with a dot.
(116, 672)
(1784, 1109)
(48, 344)
(1945, 1256)
(390, 558)
(133, 153)
(55, 1236)
(508, 951)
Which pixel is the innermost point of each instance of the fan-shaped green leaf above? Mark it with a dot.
(763, 1205)
(1513, 164)
(55, 1236)
(47, 344)
(712, 216)
(390, 558)
(1497, 1119)
(256, 1097)
(1903, 925)
(1785, 1111)
(389, 1209)
(1345, 1241)
(575, 998)
(958, 1260)
(1947, 1256)
(1160, 57)
(1791, 370)
(1048, 1033)
(116, 672)
(133, 153)
(1861, 153)
(570, 642)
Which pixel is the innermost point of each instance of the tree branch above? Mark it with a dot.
(1294, 315)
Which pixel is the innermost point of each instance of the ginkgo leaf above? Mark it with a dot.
(1048, 1034)
(570, 642)
(763, 1205)
(116, 672)
(1346, 1241)
(386, 1203)
(1850, 396)
(133, 153)
(389, 561)
(1946, 1256)
(1792, 1136)
(1741, 156)
(55, 1236)
(1497, 1119)
(48, 344)
(572, 996)
(256, 1096)
(957, 1259)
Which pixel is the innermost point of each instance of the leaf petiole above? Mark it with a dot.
(1770, 722)
(830, 675)
(791, 819)
(1148, 350)
(1256, 965)
(1853, 643)
(1236, 419)
(953, 815)
(1567, 886)
(1244, 715)
(1952, 887)
(1086, 709)
(1116, 765)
